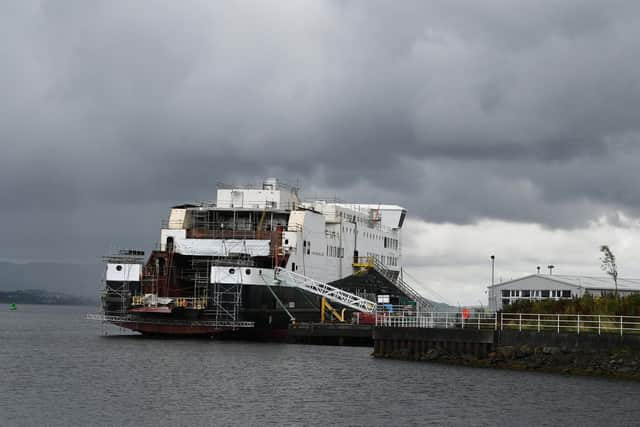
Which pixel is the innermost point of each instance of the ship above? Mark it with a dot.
(258, 260)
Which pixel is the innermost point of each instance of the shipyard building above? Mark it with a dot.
(540, 286)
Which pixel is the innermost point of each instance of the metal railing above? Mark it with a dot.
(405, 319)
(333, 294)
(578, 323)
(574, 323)
(399, 283)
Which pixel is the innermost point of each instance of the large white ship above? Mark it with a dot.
(255, 261)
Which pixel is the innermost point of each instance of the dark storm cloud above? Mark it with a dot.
(525, 111)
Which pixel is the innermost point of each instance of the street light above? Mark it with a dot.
(551, 267)
(493, 261)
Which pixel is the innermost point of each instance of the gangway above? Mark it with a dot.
(423, 303)
(289, 278)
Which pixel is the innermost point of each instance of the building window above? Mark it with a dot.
(525, 294)
(544, 294)
(505, 293)
(566, 294)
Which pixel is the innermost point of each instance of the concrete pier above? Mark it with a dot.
(413, 342)
(583, 354)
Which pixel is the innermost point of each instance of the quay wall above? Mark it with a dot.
(570, 353)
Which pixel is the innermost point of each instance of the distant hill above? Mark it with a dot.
(82, 280)
(39, 296)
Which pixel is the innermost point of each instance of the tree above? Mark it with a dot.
(608, 265)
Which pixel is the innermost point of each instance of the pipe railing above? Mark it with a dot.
(536, 322)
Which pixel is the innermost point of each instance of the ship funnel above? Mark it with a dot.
(270, 184)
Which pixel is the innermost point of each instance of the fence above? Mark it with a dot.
(575, 323)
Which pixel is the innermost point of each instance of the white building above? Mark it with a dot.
(539, 286)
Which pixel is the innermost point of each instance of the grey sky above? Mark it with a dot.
(111, 111)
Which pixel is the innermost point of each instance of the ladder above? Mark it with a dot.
(354, 302)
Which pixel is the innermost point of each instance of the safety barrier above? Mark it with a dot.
(575, 323)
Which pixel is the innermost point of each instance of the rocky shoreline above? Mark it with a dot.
(616, 363)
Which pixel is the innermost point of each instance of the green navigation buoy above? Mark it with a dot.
(13, 306)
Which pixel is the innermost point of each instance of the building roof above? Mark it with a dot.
(601, 282)
(587, 282)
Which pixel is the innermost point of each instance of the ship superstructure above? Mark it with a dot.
(256, 260)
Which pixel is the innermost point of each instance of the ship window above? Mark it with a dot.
(247, 271)
(232, 271)
(286, 241)
(119, 267)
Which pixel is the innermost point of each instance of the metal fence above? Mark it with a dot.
(575, 323)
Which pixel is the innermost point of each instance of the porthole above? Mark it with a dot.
(232, 271)
(247, 271)
(119, 267)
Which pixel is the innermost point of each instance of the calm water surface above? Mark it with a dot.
(57, 370)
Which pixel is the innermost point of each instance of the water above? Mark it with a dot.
(57, 370)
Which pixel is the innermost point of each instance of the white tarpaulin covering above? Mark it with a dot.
(123, 272)
(240, 274)
(153, 299)
(220, 247)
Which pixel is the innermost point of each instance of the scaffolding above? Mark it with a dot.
(116, 296)
(220, 302)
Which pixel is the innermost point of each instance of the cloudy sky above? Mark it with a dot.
(506, 128)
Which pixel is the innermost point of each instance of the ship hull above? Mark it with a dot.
(171, 329)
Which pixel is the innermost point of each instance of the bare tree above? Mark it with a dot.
(608, 265)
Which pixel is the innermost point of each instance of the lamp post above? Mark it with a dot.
(538, 267)
(551, 267)
(493, 262)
